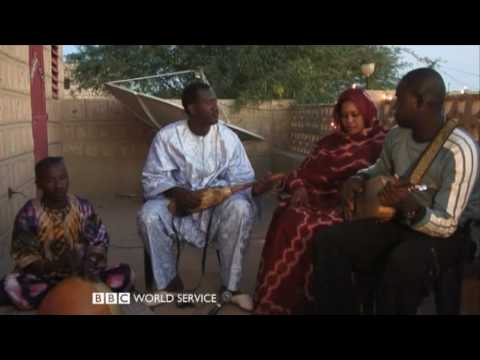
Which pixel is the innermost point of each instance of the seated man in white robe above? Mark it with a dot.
(190, 155)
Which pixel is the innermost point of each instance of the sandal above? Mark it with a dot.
(243, 301)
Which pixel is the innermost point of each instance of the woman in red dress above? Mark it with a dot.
(313, 202)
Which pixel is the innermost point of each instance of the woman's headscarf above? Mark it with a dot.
(362, 101)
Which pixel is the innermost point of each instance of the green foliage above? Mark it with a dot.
(305, 73)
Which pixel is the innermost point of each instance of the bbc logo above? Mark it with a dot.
(111, 298)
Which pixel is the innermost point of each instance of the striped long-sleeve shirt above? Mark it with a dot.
(453, 194)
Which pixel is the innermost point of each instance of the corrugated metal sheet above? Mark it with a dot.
(142, 96)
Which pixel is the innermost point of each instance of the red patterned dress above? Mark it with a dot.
(284, 278)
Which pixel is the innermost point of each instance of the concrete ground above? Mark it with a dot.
(118, 212)
(119, 215)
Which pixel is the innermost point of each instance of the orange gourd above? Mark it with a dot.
(73, 296)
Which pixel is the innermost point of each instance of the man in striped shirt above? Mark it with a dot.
(428, 233)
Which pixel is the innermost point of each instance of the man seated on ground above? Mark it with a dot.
(190, 155)
(429, 231)
(57, 236)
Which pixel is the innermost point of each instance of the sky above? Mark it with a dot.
(459, 64)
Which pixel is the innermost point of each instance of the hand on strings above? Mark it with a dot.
(394, 193)
(264, 185)
(185, 200)
(353, 185)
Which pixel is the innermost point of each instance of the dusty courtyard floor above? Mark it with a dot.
(119, 215)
